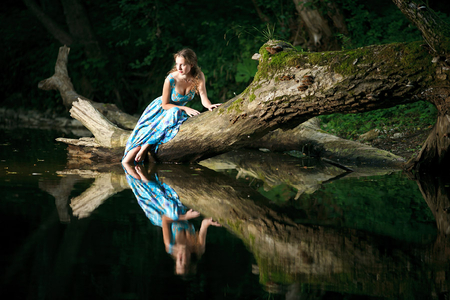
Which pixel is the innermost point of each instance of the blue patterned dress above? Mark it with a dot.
(157, 199)
(157, 125)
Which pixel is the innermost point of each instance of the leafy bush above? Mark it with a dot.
(402, 118)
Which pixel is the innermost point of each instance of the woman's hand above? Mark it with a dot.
(209, 222)
(212, 106)
(190, 214)
(190, 111)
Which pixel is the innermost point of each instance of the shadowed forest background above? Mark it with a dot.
(122, 50)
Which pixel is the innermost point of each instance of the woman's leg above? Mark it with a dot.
(131, 170)
(130, 157)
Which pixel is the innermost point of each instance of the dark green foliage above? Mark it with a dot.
(138, 38)
(402, 118)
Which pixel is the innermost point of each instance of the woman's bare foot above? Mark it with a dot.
(130, 157)
(140, 156)
(130, 170)
(141, 171)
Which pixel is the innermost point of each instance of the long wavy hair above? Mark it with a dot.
(191, 58)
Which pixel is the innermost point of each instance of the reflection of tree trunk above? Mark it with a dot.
(61, 190)
(340, 258)
(66, 259)
(435, 191)
(345, 260)
(104, 186)
(303, 175)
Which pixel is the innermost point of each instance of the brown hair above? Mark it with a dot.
(191, 58)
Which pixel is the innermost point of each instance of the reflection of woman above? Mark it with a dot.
(162, 206)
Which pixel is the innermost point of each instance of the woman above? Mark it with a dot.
(162, 118)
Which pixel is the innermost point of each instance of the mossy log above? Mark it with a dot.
(243, 120)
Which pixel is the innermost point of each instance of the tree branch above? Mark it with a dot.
(54, 28)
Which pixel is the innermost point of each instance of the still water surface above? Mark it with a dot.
(291, 229)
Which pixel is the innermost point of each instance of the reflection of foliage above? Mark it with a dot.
(278, 194)
(386, 205)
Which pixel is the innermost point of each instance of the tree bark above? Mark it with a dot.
(434, 30)
(312, 141)
(61, 81)
(433, 157)
(347, 82)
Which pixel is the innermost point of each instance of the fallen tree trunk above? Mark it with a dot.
(291, 87)
(61, 81)
(312, 141)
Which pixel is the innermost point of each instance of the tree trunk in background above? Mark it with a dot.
(52, 27)
(261, 15)
(322, 36)
(80, 27)
(80, 32)
(434, 154)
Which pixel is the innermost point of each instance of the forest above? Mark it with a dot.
(121, 51)
(134, 42)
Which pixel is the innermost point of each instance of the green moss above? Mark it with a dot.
(252, 97)
(251, 239)
(235, 227)
(270, 63)
(235, 107)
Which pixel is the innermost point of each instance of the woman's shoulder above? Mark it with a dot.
(171, 78)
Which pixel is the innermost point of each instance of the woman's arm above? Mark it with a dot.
(165, 99)
(166, 221)
(204, 229)
(204, 95)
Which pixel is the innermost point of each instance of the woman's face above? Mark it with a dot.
(182, 257)
(182, 66)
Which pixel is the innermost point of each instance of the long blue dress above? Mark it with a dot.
(157, 125)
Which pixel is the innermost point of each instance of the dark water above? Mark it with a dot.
(292, 229)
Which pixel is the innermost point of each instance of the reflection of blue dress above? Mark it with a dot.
(157, 125)
(157, 199)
